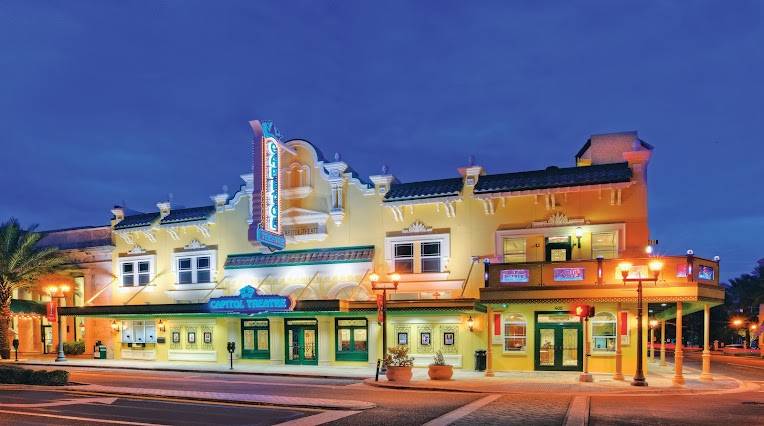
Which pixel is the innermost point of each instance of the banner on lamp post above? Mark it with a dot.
(51, 313)
(380, 311)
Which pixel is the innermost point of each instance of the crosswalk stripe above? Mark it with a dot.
(462, 411)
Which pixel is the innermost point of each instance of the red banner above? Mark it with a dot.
(380, 312)
(51, 311)
(623, 322)
(497, 324)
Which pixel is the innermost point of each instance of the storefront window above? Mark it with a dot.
(514, 250)
(515, 333)
(255, 339)
(352, 339)
(603, 332)
(138, 332)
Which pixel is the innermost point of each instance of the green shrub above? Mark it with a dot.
(74, 348)
(21, 376)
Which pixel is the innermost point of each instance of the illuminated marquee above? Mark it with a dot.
(249, 302)
(268, 232)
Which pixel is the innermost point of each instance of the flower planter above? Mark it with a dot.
(440, 372)
(399, 374)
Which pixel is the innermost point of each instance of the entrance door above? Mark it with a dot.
(559, 345)
(558, 249)
(301, 341)
(255, 339)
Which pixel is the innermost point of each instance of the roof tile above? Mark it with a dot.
(301, 257)
(425, 189)
(554, 177)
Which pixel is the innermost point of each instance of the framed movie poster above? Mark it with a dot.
(403, 338)
(207, 337)
(191, 337)
(424, 338)
(176, 337)
(448, 339)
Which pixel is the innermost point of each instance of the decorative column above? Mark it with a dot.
(373, 341)
(278, 339)
(652, 344)
(325, 331)
(705, 375)
(663, 343)
(678, 352)
(618, 375)
(489, 340)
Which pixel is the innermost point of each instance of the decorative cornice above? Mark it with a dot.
(416, 227)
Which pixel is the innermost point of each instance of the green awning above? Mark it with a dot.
(27, 307)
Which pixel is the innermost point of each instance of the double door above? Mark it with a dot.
(301, 341)
(559, 346)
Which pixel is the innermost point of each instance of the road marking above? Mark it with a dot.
(319, 419)
(192, 379)
(84, 419)
(462, 411)
(578, 412)
(75, 401)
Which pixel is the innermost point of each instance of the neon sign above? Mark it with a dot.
(268, 232)
(568, 274)
(705, 273)
(249, 302)
(514, 276)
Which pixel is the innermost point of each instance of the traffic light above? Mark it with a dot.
(582, 311)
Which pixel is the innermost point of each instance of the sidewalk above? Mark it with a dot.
(546, 382)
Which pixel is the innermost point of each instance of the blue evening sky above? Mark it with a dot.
(105, 102)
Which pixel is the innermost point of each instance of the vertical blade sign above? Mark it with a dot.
(267, 142)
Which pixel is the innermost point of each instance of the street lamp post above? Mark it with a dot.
(57, 292)
(376, 285)
(625, 267)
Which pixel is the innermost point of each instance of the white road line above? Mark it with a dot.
(62, 402)
(578, 412)
(83, 419)
(319, 419)
(462, 411)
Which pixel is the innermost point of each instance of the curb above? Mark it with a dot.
(189, 370)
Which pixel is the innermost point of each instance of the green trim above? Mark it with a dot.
(281, 265)
(300, 335)
(255, 353)
(351, 355)
(19, 306)
(288, 252)
(558, 338)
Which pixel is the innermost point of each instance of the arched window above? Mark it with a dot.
(603, 332)
(515, 333)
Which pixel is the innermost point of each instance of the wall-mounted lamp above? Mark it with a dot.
(653, 323)
(470, 323)
(114, 326)
(161, 326)
(579, 234)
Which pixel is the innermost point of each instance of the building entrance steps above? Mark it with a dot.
(659, 380)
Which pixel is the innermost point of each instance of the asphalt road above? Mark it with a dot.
(393, 406)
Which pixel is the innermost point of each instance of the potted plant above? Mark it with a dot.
(398, 364)
(439, 370)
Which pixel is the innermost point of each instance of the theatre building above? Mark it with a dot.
(284, 266)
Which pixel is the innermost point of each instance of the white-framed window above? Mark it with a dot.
(514, 250)
(430, 256)
(515, 333)
(138, 332)
(603, 332)
(136, 271)
(417, 254)
(404, 258)
(197, 267)
(605, 244)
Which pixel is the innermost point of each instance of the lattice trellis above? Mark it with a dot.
(449, 349)
(424, 349)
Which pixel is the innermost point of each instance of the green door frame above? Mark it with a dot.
(299, 334)
(255, 354)
(548, 247)
(558, 339)
(351, 354)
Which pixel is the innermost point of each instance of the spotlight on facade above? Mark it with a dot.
(114, 326)
(648, 249)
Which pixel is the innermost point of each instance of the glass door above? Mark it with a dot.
(255, 339)
(559, 343)
(301, 342)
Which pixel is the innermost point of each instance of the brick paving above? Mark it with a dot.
(519, 410)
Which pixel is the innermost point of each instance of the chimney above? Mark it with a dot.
(164, 209)
(471, 173)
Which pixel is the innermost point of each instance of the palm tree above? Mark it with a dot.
(22, 262)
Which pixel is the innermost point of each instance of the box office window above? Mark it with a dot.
(255, 339)
(404, 258)
(138, 332)
(514, 250)
(352, 339)
(603, 332)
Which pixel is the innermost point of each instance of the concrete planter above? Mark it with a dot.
(399, 374)
(440, 372)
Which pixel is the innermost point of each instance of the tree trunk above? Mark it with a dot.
(5, 322)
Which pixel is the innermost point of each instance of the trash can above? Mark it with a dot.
(479, 360)
(99, 352)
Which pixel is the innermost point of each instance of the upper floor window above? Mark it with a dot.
(604, 244)
(514, 250)
(136, 272)
(404, 258)
(194, 267)
(430, 256)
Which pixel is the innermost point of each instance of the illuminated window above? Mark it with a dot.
(404, 258)
(136, 272)
(515, 333)
(604, 244)
(514, 250)
(603, 332)
(430, 256)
